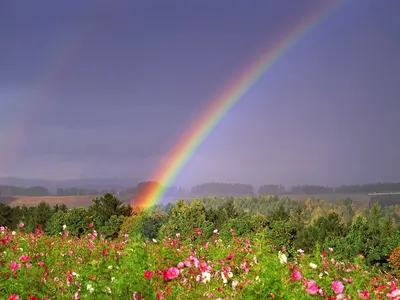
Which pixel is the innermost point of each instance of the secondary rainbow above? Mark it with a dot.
(218, 108)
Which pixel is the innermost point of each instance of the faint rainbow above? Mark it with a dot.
(56, 72)
(218, 108)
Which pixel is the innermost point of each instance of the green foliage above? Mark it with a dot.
(76, 221)
(106, 207)
(183, 218)
(146, 224)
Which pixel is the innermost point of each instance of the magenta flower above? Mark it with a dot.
(172, 273)
(337, 287)
(21, 225)
(296, 275)
(364, 294)
(14, 266)
(148, 274)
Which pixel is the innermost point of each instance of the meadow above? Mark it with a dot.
(263, 247)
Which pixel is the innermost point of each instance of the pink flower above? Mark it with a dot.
(181, 265)
(337, 287)
(160, 295)
(24, 258)
(203, 267)
(148, 274)
(172, 273)
(296, 275)
(393, 294)
(13, 297)
(90, 225)
(364, 294)
(311, 287)
(14, 266)
(21, 224)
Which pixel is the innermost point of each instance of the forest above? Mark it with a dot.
(213, 247)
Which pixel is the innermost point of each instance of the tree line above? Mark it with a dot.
(211, 189)
(372, 232)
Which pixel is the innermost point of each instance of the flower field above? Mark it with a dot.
(38, 266)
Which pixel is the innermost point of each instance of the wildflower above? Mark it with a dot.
(216, 231)
(13, 233)
(206, 277)
(178, 235)
(64, 227)
(364, 294)
(234, 284)
(330, 249)
(13, 297)
(148, 274)
(90, 288)
(394, 294)
(24, 258)
(21, 225)
(14, 266)
(172, 273)
(301, 251)
(313, 266)
(337, 287)
(311, 287)
(154, 240)
(181, 265)
(203, 267)
(296, 275)
(159, 295)
(282, 257)
(224, 279)
(90, 225)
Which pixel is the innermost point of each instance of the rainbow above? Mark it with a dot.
(55, 73)
(219, 107)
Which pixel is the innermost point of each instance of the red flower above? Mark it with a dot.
(32, 298)
(148, 274)
(13, 297)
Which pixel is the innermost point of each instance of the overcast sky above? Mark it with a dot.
(105, 88)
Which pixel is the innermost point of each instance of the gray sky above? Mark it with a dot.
(103, 89)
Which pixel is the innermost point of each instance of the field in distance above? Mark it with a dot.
(360, 200)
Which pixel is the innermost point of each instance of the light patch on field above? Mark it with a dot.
(70, 201)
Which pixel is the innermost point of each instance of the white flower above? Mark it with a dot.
(258, 278)
(112, 278)
(224, 279)
(206, 276)
(109, 267)
(13, 233)
(282, 257)
(301, 251)
(90, 288)
(312, 265)
(64, 227)
(234, 284)
(154, 240)
(230, 274)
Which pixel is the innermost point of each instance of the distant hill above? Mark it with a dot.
(86, 183)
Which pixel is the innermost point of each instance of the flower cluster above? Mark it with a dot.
(38, 266)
